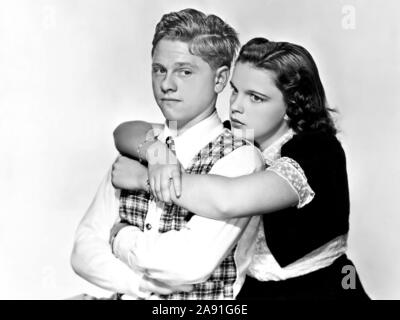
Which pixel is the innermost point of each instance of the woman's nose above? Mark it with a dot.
(236, 103)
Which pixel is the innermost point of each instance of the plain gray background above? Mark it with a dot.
(71, 71)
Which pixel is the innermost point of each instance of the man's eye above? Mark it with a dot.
(255, 98)
(234, 91)
(185, 72)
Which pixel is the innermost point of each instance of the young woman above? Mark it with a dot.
(302, 195)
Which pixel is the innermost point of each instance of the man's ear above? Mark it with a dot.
(221, 78)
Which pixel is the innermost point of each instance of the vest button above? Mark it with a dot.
(148, 226)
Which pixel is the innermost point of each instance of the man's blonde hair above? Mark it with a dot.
(208, 36)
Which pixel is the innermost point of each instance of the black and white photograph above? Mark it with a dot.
(200, 150)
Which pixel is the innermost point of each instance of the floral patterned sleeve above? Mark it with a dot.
(291, 171)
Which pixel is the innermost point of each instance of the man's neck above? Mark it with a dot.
(182, 127)
(194, 138)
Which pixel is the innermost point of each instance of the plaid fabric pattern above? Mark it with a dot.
(134, 206)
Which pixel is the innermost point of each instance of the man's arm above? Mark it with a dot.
(92, 258)
(191, 254)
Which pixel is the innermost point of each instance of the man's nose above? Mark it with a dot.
(168, 83)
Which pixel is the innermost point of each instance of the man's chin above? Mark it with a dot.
(169, 114)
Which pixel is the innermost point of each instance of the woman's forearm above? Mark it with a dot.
(219, 197)
(203, 195)
(128, 136)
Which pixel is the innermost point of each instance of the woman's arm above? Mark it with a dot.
(137, 139)
(214, 196)
(134, 137)
(211, 196)
(219, 197)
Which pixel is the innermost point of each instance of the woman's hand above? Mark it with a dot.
(160, 179)
(163, 168)
(128, 174)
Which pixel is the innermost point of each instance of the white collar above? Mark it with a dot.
(191, 141)
(273, 152)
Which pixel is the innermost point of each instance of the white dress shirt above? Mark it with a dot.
(187, 256)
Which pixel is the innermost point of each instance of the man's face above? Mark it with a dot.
(183, 84)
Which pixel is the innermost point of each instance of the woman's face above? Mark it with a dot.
(257, 104)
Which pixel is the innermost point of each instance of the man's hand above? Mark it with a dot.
(163, 169)
(124, 249)
(128, 174)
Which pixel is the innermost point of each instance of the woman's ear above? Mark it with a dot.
(221, 78)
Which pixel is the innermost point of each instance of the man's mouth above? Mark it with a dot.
(170, 100)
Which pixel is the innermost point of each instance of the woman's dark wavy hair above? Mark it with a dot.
(297, 78)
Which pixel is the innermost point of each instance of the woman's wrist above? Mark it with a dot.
(157, 153)
(143, 148)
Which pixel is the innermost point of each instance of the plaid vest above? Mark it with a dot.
(133, 210)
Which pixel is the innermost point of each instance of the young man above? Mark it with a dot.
(166, 250)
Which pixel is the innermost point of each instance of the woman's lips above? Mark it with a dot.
(236, 123)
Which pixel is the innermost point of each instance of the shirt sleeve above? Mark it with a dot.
(191, 254)
(293, 174)
(92, 257)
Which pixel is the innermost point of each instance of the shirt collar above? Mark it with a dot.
(273, 152)
(191, 141)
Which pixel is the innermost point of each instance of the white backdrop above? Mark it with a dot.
(71, 70)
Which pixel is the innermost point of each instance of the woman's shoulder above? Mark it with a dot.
(314, 147)
(315, 141)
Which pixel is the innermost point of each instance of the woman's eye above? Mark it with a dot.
(255, 98)
(158, 70)
(234, 91)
